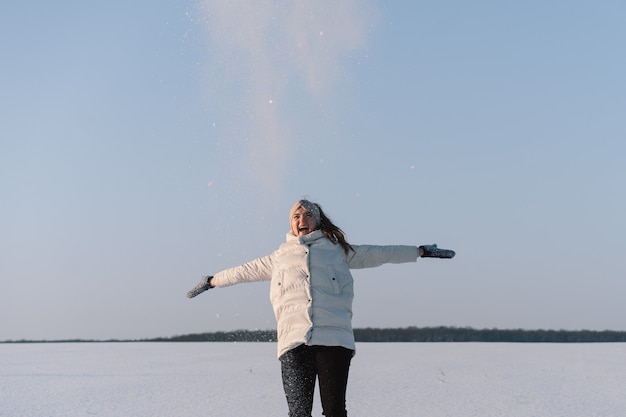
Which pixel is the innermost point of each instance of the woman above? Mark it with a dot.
(311, 293)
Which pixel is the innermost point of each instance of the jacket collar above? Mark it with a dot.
(306, 239)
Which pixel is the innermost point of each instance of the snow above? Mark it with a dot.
(243, 379)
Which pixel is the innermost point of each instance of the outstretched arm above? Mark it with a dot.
(369, 256)
(259, 269)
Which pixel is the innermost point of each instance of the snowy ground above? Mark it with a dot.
(243, 380)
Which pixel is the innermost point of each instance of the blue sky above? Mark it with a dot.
(144, 145)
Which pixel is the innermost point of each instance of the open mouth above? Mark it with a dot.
(303, 230)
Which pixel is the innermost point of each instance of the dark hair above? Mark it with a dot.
(332, 232)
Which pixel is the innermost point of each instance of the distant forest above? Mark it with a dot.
(407, 334)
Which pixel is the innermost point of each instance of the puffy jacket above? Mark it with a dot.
(312, 287)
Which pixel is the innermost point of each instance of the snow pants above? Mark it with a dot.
(301, 366)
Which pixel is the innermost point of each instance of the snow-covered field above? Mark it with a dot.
(243, 380)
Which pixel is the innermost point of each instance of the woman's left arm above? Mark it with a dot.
(370, 256)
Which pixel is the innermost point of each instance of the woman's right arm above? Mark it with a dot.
(259, 269)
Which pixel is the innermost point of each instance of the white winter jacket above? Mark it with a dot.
(312, 287)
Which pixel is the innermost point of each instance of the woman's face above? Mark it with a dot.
(303, 222)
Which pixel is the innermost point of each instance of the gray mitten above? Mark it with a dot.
(432, 251)
(205, 284)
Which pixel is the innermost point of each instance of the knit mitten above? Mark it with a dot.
(205, 284)
(432, 251)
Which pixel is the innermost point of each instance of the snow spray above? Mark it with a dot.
(271, 63)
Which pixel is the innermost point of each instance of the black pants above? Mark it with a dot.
(300, 367)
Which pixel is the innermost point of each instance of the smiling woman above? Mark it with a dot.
(312, 292)
(305, 218)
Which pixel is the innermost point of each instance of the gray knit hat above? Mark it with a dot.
(313, 208)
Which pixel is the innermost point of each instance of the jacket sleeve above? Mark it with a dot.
(370, 256)
(259, 269)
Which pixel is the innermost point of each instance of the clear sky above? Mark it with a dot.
(145, 144)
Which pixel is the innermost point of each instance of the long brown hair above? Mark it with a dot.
(333, 232)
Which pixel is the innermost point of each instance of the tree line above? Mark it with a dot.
(467, 334)
(406, 334)
(425, 334)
